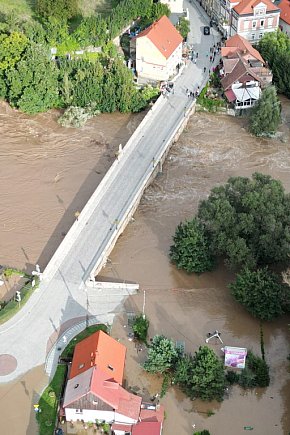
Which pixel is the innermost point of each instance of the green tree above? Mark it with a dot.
(202, 375)
(158, 10)
(266, 115)
(248, 221)
(162, 355)
(12, 47)
(183, 27)
(60, 9)
(32, 84)
(140, 327)
(275, 49)
(190, 250)
(256, 372)
(261, 292)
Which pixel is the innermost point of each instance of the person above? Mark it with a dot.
(210, 58)
(197, 55)
(204, 69)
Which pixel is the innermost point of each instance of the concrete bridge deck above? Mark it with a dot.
(63, 294)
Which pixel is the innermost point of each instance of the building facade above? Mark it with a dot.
(284, 22)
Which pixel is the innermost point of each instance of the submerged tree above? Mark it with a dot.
(266, 115)
(162, 355)
(190, 250)
(261, 292)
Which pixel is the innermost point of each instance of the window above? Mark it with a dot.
(111, 368)
(254, 24)
(253, 35)
(260, 35)
(262, 22)
(79, 411)
(81, 366)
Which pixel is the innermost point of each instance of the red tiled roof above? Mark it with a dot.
(123, 427)
(230, 95)
(246, 7)
(101, 350)
(163, 35)
(240, 70)
(238, 43)
(284, 7)
(147, 428)
(96, 382)
(152, 415)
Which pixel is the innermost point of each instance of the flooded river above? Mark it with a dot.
(48, 173)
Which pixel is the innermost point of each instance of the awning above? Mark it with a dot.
(230, 96)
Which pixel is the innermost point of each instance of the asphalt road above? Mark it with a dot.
(64, 296)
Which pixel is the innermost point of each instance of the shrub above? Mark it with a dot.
(162, 355)
(77, 116)
(140, 328)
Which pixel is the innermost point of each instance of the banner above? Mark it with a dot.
(235, 357)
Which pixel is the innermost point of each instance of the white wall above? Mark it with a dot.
(176, 6)
(94, 414)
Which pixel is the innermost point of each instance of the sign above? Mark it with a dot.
(235, 357)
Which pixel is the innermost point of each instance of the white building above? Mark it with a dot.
(158, 51)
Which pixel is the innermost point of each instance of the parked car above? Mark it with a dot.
(206, 30)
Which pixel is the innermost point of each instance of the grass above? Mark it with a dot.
(12, 307)
(48, 402)
(25, 8)
(69, 350)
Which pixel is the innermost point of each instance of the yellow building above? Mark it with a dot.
(158, 51)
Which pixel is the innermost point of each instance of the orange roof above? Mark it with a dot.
(163, 35)
(246, 7)
(237, 43)
(152, 414)
(101, 350)
(284, 7)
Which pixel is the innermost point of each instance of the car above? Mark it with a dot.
(206, 30)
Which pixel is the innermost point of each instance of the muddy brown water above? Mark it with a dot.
(48, 173)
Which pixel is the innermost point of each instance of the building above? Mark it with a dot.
(158, 51)
(244, 72)
(253, 18)
(248, 18)
(284, 23)
(94, 390)
(176, 6)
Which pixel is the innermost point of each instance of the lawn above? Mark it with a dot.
(25, 8)
(69, 350)
(48, 402)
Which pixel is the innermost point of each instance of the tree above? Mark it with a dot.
(158, 10)
(261, 292)
(140, 327)
(202, 375)
(32, 84)
(248, 221)
(162, 355)
(183, 27)
(255, 374)
(275, 48)
(12, 47)
(60, 9)
(190, 250)
(266, 115)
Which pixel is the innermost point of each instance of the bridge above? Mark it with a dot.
(68, 294)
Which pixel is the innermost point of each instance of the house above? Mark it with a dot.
(238, 47)
(176, 6)
(102, 351)
(284, 23)
(158, 51)
(94, 390)
(244, 72)
(253, 18)
(248, 18)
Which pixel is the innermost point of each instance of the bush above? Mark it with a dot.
(77, 116)
(140, 328)
(232, 377)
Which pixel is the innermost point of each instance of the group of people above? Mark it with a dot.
(193, 94)
(214, 51)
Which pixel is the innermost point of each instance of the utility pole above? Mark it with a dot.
(144, 301)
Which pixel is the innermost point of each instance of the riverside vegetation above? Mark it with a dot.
(30, 80)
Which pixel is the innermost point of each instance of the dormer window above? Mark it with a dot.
(76, 386)
(111, 368)
(81, 366)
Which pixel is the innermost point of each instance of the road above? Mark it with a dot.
(64, 296)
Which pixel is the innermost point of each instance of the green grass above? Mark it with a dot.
(48, 402)
(69, 350)
(90, 7)
(13, 307)
(22, 8)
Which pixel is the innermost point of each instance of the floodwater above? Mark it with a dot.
(48, 173)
